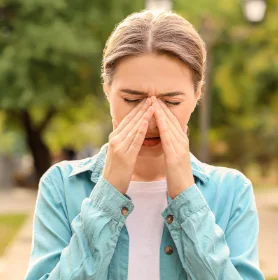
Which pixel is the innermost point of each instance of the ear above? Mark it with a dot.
(106, 90)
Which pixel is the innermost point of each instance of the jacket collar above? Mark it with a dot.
(96, 165)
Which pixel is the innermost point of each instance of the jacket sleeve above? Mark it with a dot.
(206, 252)
(84, 249)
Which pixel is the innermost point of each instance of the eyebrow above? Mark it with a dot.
(136, 92)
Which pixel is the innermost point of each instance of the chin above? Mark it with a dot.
(151, 152)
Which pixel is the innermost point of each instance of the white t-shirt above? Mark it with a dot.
(145, 228)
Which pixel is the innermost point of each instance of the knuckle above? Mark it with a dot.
(119, 155)
(130, 134)
(113, 143)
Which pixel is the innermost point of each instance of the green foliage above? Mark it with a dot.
(51, 50)
(51, 55)
(12, 141)
(244, 79)
(90, 125)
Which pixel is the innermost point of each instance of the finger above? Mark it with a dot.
(164, 134)
(179, 138)
(179, 141)
(131, 123)
(137, 142)
(128, 140)
(176, 144)
(176, 127)
(133, 116)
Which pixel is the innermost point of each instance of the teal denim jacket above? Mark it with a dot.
(79, 230)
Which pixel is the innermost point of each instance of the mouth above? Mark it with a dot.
(151, 142)
(152, 138)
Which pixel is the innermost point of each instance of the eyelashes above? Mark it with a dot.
(137, 100)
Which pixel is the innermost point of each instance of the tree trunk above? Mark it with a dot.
(39, 150)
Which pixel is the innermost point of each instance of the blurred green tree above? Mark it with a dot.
(50, 88)
(243, 82)
(50, 63)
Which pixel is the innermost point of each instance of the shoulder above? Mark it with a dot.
(58, 177)
(218, 176)
(228, 180)
(220, 173)
(64, 169)
(62, 191)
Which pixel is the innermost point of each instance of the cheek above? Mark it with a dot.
(183, 115)
(119, 110)
(187, 116)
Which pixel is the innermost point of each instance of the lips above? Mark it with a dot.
(151, 142)
(152, 136)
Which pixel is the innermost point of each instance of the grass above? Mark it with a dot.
(9, 226)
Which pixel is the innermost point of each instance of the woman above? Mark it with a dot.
(147, 208)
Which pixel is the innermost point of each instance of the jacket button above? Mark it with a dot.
(170, 219)
(168, 250)
(124, 211)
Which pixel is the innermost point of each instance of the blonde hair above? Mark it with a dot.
(160, 33)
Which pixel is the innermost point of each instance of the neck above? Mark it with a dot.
(150, 169)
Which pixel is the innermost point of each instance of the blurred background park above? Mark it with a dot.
(52, 106)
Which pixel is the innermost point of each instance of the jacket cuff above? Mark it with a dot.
(182, 206)
(110, 200)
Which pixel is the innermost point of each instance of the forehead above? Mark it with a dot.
(152, 73)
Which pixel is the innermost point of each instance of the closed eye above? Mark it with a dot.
(137, 100)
